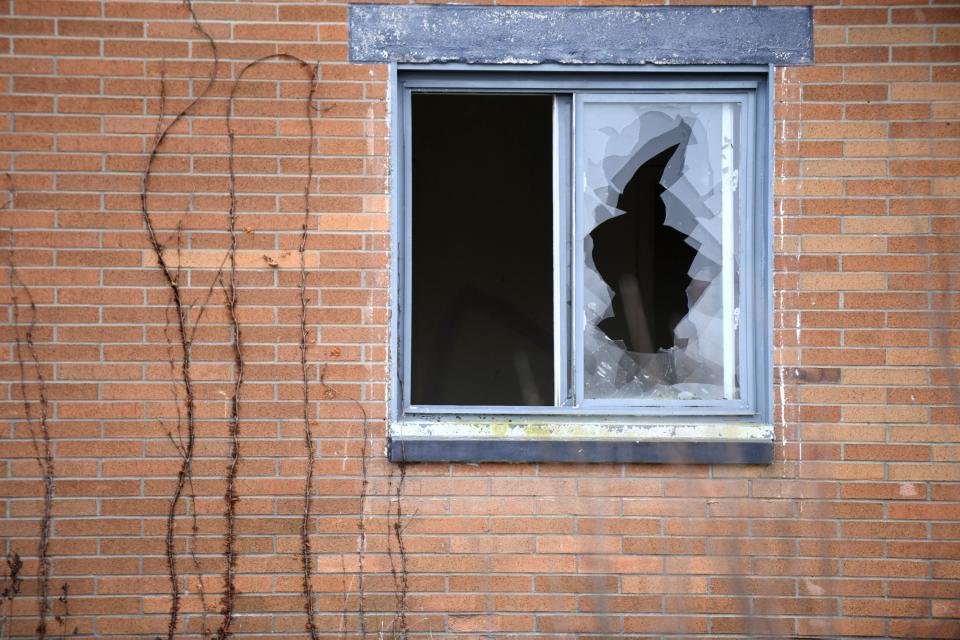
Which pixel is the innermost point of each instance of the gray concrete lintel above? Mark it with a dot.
(581, 35)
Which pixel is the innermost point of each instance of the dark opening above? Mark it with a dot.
(482, 308)
(645, 262)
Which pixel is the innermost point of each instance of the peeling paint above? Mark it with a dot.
(534, 429)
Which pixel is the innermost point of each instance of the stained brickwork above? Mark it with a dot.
(853, 531)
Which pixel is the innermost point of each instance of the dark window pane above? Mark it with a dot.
(482, 327)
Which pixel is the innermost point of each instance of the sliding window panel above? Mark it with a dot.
(481, 243)
(660, 192)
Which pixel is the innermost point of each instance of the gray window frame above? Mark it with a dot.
(438, 432)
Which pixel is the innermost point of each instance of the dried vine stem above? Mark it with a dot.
(401, 583)
(306, 554)
(343, 595)
(330, 393)
(390, 555)
(236, 338)
(11, 588)
(398, 528)
(11, 580)
(194, 534)
(230, 496)
(172, 280)
(178, 441)
(64, 616)
(201, 307)
(42, 445)
(361, 524)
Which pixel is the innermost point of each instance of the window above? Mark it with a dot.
(581, 258)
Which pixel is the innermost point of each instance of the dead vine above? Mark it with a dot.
(173, 283)
(42, 445)
(11, 588)
(305, 551)
(396, 528)
(344, 606)
(63, 617)
(178, 441)
(230, 291)
(361, 524)
(186, 335)
(194, 535)
(331, 393)
(11, 580)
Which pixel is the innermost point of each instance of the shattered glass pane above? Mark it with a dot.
(660, 279)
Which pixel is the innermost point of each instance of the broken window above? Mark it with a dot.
(659, 201)
(582, 247)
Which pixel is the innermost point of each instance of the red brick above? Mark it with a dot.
(925, 15)
(852, 54)
(926, 54)
(850, 16)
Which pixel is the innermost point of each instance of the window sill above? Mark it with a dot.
(524, 440)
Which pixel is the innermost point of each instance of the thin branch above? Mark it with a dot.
(43, 448)
(404, 578)
(361, 523)
(194, 534)
(174, 285)
(330, 393)
(305, 551)
(236, 338)
(343, 604)
(64, 616)
(206, 298)
(230, 496)
(11, 589)
(390, 554)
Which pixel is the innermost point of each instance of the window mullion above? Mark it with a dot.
(729, 176)
(576, 255)
(406, 257)
(564, 356)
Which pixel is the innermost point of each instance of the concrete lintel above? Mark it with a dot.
(581, 35)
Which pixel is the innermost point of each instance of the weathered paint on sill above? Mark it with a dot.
(535, 430)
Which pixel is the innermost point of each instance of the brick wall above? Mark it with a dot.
(852, 531)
